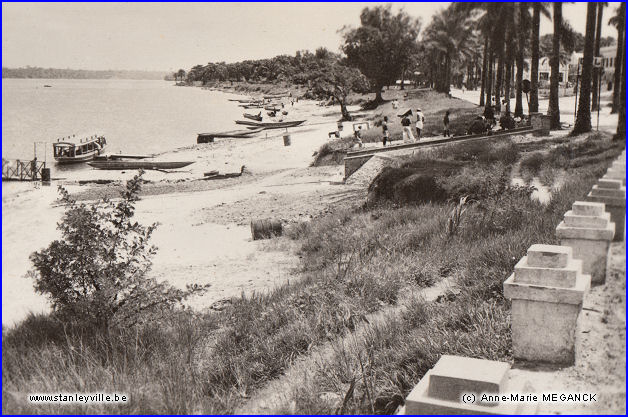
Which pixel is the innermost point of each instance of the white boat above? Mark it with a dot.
(69, 150)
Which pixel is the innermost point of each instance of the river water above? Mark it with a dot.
(135, 116)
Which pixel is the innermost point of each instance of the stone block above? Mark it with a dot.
(551, 277)
(441, 388)
(609, 183)
(589, 237)
(614, 200)
(585, 208)
(453, 376)
(575, 220)
(540, 123)
(550, 256)
(547, 293)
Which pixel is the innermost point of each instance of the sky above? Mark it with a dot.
(169, 36)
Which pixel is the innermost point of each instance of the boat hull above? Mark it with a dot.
(269, 125)
(120, 165)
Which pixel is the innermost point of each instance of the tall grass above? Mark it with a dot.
(354, 263)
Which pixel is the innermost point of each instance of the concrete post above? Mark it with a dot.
(613, 194)
(546, 289)
(442, 388)
(588, 230)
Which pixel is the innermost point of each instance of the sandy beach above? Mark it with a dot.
(204, 226)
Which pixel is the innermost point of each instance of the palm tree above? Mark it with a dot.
(596, 71)
(621, 114)
(522, 25)
(583, 117)
(618, 21)
(484, 68)
(553, 110)
(537, 8)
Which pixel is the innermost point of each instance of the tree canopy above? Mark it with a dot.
(381, 48)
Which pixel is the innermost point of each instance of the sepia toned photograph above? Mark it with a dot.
(313, 208)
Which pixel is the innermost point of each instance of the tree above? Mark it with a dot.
(553, 110)
(97, 272)
(538, 8)
(338, 80)
(449, 37)
(381, 46)
(583, 117)
(180, 74)
(618, 21)
(522, 25)
(596, 71)
(621, 114)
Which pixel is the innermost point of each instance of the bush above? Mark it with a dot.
(97, 272)
(404, 186)
(532, 162)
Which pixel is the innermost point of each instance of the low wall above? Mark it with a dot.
(354, 160)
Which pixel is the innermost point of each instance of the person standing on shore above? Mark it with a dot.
(385, 133)
(446, 124)
(407, 132)
(419, 123)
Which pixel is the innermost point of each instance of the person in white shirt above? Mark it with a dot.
(419, 123)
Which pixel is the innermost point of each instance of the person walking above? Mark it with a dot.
(407, 132)
(419, 123)
(385, 132)
(357, 140)
(446, 124)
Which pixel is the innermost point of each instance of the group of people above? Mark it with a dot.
(406, 123)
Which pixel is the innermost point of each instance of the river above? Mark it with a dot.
(136, 116)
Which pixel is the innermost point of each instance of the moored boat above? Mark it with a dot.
(69, 151)
(269, 125)
(120, 165)
(209, 136)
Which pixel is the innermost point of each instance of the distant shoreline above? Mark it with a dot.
(73, 74)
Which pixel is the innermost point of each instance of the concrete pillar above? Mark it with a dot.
(546, 289)
(588, 230)
(613, 194)
(441, 389)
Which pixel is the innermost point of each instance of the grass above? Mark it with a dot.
(355, 264)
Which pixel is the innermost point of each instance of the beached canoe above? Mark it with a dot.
(256, 117)
(120, 165)
(209, 136)
(269, 125)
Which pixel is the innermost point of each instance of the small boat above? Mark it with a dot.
(270, 108)
(47, 85)
(120, 165)
(214, 175)
(251, 106)
(269, 125)
(278, 95)
(209, 136)
(68, 150)
(256, 117)
(120, 156)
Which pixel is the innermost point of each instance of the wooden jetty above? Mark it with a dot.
(16, 170)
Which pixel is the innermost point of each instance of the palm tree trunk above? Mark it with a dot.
(553, 110)
(621, 119)
(583, 117)
(500, 76)
(484, 68)
(534, 70)
(489, 79)
(596, 71)
(520, 50)
(618, 57)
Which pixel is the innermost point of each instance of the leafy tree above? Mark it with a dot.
(338, 80)
(180, 74)
(381, 47)
(97, 272)
(583, 117)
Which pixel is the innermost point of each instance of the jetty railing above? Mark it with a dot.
(14, 169)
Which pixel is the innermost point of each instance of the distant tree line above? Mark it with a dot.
(38, 72)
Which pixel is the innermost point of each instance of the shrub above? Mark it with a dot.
(532, 162)
(97, 272)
